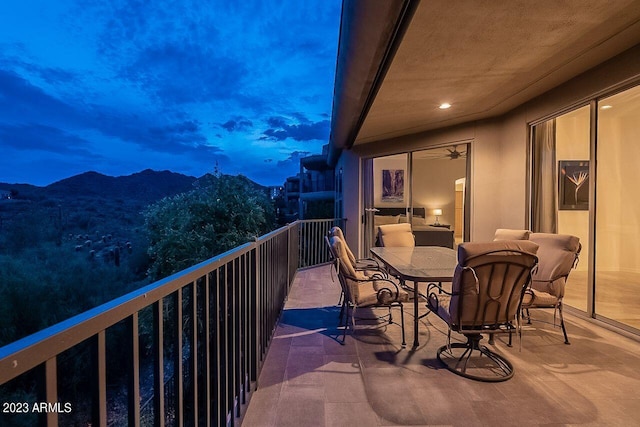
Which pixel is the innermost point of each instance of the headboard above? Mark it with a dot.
(417, 212)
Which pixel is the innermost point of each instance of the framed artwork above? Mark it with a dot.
(573, 181)
(393, 185)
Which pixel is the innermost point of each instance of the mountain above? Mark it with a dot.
(146, 186)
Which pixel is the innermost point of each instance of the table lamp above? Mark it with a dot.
(437, 213)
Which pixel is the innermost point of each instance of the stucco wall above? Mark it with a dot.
(499, 169)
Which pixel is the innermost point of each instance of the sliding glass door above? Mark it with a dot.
(426, 188)
(584, 183)
(617, 248)
(439, 193)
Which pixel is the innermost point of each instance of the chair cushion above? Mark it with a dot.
(337, 231)
(538, 298)
(374, 292)
(556, 257)
(509, 234)
(396, 235)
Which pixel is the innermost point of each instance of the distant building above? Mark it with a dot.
(311, 193)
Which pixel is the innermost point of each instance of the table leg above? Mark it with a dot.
(415, 315)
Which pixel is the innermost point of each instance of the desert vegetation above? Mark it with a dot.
(66, 250)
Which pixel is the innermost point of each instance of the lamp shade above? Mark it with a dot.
(437, 212)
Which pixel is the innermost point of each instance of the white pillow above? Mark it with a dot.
(417, 220)
(385, 219)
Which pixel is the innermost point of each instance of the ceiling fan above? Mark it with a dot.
(451, 153)
(455, 154)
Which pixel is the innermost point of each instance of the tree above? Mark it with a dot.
(222, 213)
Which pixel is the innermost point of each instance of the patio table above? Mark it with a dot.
(419, 264)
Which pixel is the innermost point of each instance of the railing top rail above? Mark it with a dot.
(27, 353)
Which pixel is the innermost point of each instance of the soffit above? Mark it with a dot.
(486, 58)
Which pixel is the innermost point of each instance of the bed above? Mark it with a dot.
(426, 235)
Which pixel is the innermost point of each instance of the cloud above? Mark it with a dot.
(239, 124)
(43, 138)
(138, 84)
(21, 100)
(293, 159)
(304, 131)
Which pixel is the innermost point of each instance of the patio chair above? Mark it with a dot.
(369, 265)
(361, 291)
(396, 235)
(487, 289)
(558, 254)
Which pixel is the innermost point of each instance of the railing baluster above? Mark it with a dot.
(51, 389)
(207, 348)
(193, 359)
(158, 362)
(234, 303)
(134, 370)
(99, 362)
(178, 370)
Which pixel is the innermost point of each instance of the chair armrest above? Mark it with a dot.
(368, 263)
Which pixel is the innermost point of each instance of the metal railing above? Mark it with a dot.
(185, 350)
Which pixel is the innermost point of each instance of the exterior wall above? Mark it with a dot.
(499, 169)
(350, 164)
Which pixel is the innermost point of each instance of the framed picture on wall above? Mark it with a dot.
(573, 180)
(393, 185)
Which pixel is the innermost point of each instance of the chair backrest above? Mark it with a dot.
(347, 275)
(489, 282)
(337, 231)
(396, 235)
(511, 234)
(557, 254)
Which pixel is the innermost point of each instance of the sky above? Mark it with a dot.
(121, 86)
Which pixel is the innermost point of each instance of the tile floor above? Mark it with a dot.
(309, 379)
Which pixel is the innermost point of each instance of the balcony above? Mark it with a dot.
(308, 379)
(212, 345)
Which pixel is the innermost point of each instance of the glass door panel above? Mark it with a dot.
(391, 192)
(572, 156)
(617, 251)
(560, 150)
(439, 187)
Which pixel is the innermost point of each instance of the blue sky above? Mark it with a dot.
(120, 86)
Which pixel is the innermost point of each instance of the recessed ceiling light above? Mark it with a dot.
(445, 105)
(606, 107)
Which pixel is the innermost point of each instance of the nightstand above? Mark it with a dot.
(447, 226)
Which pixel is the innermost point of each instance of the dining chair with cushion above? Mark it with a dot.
(488, 284)
(558, 254)
(368, 265)
(362, 291)
(396, 235)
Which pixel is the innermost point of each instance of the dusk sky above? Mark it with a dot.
(120, 86)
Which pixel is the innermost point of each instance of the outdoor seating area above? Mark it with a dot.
(310, 378)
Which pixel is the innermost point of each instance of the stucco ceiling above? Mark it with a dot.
(486, 58)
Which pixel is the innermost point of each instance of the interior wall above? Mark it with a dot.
(434, 182)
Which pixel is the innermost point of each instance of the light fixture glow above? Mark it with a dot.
(445, 105)
(606, 107)
(437, 213)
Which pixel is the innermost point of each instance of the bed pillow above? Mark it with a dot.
(385, 219)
